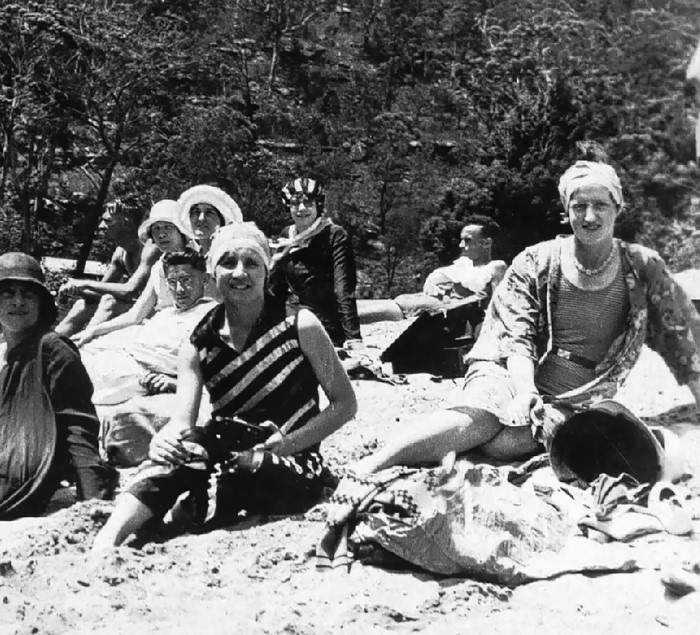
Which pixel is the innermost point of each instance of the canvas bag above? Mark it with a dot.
(27, 439)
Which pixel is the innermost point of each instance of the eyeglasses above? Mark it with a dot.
(295, 201)
(184, 281)
(596, 206)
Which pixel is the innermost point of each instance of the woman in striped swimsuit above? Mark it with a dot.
(565, 326)
(260, 450)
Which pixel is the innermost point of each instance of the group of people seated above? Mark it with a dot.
(258, 324)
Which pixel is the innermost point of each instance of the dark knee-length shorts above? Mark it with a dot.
(232, 480)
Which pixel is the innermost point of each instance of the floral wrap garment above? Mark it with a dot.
(519, 319)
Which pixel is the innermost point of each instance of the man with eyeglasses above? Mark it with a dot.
(143, 359)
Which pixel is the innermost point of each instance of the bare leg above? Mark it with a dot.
(77, 317)
(413, 303)
(129, 514)
(432, 436)
(511, 443)
(107, 308)
(370, 311)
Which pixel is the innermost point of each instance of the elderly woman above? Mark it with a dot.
(316, 262)
(205, 208)
(262, 370)
(48, 425)
(164, 227)
(565, 327)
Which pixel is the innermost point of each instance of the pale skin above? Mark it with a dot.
(205, 220)
(19, 311)
(168, 238)
(99, 301)
(592, 213)
(240, 277)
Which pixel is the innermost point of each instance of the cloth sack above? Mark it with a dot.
(126, 429)
(471, 522)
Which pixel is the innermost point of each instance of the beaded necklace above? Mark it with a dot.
(594, 272)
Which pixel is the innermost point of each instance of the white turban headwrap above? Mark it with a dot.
(584, 173)
(237, 235)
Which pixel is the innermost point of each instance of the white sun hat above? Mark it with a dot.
(165, 211)
(214, 196)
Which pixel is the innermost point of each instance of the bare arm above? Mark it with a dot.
(342, 406)
(166, 446)
(142, 309)
(527, 400)
(126, 291)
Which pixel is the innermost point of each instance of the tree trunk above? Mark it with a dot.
(94, 218)
(27, 234)
(273, 64)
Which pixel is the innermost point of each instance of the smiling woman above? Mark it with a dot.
(48, 425)
(205, 208)
(316, 263)
(565, 326)
(262, 370)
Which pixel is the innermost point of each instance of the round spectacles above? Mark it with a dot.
(184, 281)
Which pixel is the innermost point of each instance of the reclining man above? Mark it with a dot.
(473, 274)
(143, 358)
(126, 277)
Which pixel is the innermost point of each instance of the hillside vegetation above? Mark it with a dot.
(416, 113)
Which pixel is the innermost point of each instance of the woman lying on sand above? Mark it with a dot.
(260, 366)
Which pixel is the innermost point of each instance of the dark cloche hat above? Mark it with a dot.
(16, 266)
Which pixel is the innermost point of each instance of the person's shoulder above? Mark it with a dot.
(118, 255)
(332, 231)
(537, 253)
(306, 320)
(641, 252)
(206, 327)
(55, 345)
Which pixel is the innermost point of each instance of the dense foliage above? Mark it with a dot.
(416, 113)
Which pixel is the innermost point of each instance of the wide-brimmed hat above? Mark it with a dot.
(228, 208)
(16, 266)
(165, 211)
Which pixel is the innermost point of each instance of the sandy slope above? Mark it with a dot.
(259, 578)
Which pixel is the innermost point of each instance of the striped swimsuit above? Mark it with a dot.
(271, 380)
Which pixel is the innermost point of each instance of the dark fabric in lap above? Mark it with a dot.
(225, 476)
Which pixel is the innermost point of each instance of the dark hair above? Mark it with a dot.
(128, 207)
(308, 186)
(187, 256)
(222, 221)
(489, 227)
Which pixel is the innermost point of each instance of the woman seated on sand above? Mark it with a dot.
(48, 425)
(124, 363)
(316, 263)
(205, 208)
(165, 228)
(565, 327)
(261, 366)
